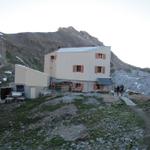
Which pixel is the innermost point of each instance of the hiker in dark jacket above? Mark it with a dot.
(118, 90)
(121, 89)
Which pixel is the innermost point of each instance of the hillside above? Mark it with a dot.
(29, 48)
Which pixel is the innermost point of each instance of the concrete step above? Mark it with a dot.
(128, 101)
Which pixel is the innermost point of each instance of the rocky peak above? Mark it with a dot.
(67, 29)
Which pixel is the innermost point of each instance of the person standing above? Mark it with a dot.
(121, 89)
(118, 90)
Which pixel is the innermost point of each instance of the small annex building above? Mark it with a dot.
(83, 69)
(30, 81)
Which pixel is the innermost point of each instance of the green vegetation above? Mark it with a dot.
(56, 141)
(51, 107)
(16, 121)
(81, 106)
(29, 138)
(8, 56)
(143, 104)
(117, 113)
(37, 64)
(11, 58)
(30, 104)
(20, 114)
(79, 103)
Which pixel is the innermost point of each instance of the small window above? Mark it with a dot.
(98, 87)
(78, 68)
(78, 85)
(52, 57)
(100, 56)
(99, 69)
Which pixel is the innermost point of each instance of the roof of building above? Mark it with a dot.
(104, 81)
(80, 49)
(27, 68)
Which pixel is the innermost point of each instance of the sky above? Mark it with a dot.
(122, 24)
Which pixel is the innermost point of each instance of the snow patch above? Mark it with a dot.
(1, 33)
(138, 86)
(135, 83)
(137, 78)
(20, 59)
(5, 79)
(8, 72)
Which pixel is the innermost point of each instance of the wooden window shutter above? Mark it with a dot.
(96, 55)
(101, 87)
(104, 56)
(103, 70)
(95, 69)
(94, 87)
(82, 68)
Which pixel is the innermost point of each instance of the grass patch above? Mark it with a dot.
(143, 104)
(97, 133)
(30, 104)
(81, 106)
(55, 142)
(51, 107)
(118, 113)
(22, 113)
(19, 114)
(17, 138)
(19, 118)
(12, 58)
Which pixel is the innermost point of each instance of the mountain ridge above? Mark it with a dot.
(31, 46)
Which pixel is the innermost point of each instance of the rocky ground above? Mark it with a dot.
(70, 121)
(134, 80)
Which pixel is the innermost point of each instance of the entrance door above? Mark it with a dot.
(33, 93)
(4, 92)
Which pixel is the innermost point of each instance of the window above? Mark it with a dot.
(100, 56)
(52, 57)
(99, 69)
(98, 87)
(78, 68)
(78, 85)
